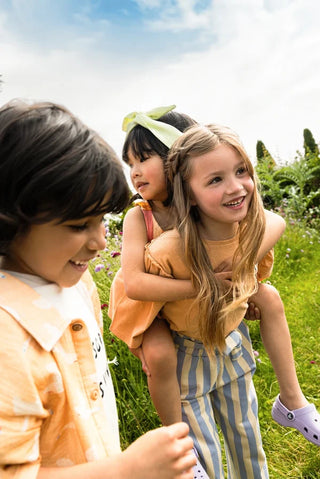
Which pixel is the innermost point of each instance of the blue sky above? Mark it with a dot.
(253, 65)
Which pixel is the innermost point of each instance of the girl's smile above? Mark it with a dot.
(235, 204)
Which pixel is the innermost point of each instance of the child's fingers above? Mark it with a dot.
(253, 312)
(145, 368)
(224, 276)
(138, 353)
(224, 266)
(257, 313)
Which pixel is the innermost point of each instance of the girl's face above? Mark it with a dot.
(222, 190)
(147, 176)
(58, 253)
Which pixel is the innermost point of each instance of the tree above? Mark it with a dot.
(264, 155)
(309, 144)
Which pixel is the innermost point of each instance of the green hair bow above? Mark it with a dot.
(167, 134)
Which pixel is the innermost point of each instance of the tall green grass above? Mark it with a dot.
(297, 277)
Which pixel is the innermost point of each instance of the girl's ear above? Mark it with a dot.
(193, 201)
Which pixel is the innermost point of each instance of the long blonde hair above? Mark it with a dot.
(214, 302)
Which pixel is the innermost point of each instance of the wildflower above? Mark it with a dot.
(104, 305)
(114, 254)
(98, 268)
(256, 354)
(114, 361)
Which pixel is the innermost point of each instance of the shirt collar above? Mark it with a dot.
(34, 313)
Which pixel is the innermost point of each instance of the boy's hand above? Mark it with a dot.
(164, 453)
(138, 353)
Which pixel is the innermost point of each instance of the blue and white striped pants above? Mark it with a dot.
(219, 390)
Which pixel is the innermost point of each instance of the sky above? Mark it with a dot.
(252, 65)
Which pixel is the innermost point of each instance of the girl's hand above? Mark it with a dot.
(138, 353)
(253, 312)
(223, 273)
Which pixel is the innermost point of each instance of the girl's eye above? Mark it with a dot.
(215, 180)
(144, 158)
(242, 170)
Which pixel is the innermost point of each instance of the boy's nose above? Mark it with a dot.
(97, 240)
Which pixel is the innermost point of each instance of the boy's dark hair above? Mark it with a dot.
(52, 166)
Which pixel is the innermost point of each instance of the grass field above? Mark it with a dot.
(297, 277)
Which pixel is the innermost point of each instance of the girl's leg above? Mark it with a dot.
(290, 409)
(161, 359)
(197, 376)
(236, 409)
(276, 339)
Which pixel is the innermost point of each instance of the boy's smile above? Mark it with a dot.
(58, 253)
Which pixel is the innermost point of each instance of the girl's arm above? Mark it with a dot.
(140, 285)
(275, 226)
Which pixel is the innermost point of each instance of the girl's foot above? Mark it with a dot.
(198, 470)
(306, 420)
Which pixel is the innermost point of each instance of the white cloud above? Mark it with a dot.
(182, 16)
(260, 75)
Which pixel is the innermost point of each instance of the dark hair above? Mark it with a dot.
(143, 143)
(52, 166)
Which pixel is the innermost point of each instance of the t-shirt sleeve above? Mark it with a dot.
(164, 257)
(265, 266)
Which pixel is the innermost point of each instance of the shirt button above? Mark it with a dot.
(94, 394)
(77, 327)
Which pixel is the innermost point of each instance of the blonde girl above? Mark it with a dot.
(290, 409)
(220, 217)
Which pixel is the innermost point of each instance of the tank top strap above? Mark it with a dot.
(148, 218)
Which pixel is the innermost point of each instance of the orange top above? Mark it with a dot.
(164, 257)
(51, 411)
(130, 318)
